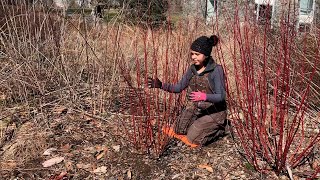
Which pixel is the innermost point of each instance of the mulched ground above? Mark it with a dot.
(94, 148)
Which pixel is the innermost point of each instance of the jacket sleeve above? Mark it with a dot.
(181, 85)
(217, 79)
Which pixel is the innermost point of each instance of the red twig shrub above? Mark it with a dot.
(272, 90)
(157, 53)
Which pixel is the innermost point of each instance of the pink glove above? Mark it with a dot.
(198, 96)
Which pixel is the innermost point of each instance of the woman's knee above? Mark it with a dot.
(195, 135)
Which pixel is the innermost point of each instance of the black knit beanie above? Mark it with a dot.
(204, 44)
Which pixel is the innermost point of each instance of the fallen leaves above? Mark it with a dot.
(60, 176)
(116, 148)
(68, 165)
(83, 166)
(153, 122)
(129, 174)
(101, 151)
(49, 151)
(315, 164)
(60, 110)
(8, 165)
(289, 172)
(66, 148)
(99, 156)
(3, 97)
(52, 161)
(100, 170)
(204, 166)
(175, 176)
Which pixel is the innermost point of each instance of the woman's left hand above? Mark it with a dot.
(197, 96)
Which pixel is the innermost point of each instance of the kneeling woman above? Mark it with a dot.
(203, 119)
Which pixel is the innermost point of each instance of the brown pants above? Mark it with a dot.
(200, 128)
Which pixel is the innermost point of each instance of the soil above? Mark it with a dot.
(94, 148)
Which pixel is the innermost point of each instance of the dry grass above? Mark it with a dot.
(29, 142)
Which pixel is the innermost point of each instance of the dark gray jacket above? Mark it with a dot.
(215, 78)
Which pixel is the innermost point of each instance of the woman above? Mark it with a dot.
(203, 119)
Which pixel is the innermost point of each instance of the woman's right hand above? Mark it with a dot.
(154, 83)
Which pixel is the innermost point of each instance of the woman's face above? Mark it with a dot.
(197, 58)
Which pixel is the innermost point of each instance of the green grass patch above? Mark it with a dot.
(249, 166)
(108, 16)
(175, 18)
(86, 11)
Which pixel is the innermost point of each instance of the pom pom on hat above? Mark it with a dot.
(204, 44)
